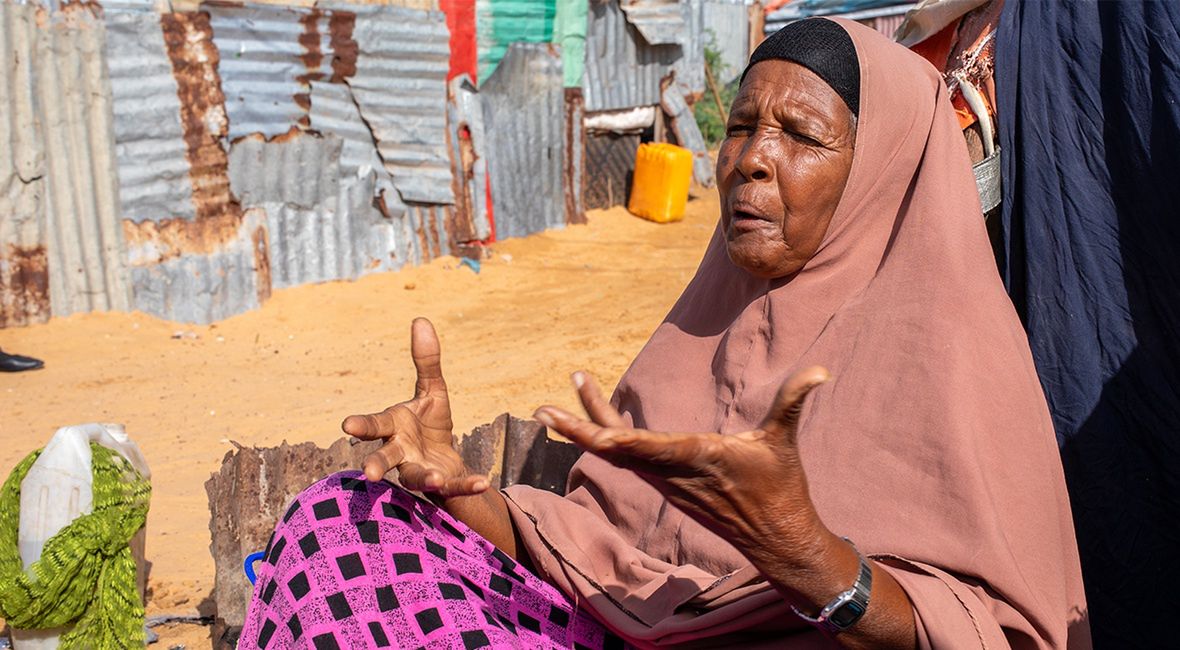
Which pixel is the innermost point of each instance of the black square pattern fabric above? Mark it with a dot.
(309, 544)
(268, 630)
(475, 639)
(378, 634)
(386, 599)
(338, 603)
(350, 566)
(326, 509)
(369, 532)
(407, 563)
(298, 586)
(429, 620)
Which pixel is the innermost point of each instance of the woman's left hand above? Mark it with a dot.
(749, 487)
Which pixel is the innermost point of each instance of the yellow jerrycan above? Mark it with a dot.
(659, 189)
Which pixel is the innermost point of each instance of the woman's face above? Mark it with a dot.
(782, 167)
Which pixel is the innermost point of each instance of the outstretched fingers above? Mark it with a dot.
(371, 426)
(414, 476)
(782, 421)
(378, 463)
(637, 449)
(597, 407)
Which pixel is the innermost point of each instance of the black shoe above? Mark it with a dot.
(17, 363)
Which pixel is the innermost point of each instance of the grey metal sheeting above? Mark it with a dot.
(321, 224)
(660, 21)
(400, 86)
(204, 287)
(265, 58)
(689, 135)
(727, 30)
(622, 69)
(149, 141)
(690, 66)
(24, 282)
(524, 109)
(61, 243)
(466, 109)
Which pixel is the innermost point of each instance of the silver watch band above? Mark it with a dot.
(843, 611)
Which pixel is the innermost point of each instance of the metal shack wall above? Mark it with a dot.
(499, 23)
(400, 86)
(727, 30)
(269, 54)
(524, 109)
(24, 272)
(60, 243)
(153, 170)
(296, 134)
(622, 69)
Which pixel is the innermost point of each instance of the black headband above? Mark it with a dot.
(822, 46)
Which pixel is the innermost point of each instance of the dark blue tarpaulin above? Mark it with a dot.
(1089, 96)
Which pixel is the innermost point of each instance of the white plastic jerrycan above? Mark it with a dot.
(56, 491)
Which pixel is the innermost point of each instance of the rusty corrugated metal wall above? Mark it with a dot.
(60, 243)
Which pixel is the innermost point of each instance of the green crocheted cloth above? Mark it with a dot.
(86, 575)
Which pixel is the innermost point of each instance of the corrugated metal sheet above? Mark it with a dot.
(610, 166)
(524, 108)
(469, 156)
(149, 141)
(84, 242)
(569, 32)
(60, 244)
(400, 87)
(688, 135)
(499, 23)
(24, 273)
(661, 22)
(209, 283)
(622, 70)
(333, 111)
(727, 30)
(690, 66)
(319, 228)
(268, 57)
(215, 264)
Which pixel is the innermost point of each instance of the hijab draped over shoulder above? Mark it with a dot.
(931, 448)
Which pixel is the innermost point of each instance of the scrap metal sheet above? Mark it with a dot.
(400, 87)
(524, 109)
(622, 69)
(149, 141)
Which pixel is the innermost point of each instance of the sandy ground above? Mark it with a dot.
(543, 306)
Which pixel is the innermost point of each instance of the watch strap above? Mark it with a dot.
(843, 611)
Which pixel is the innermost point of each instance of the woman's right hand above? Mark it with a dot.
(419, 442)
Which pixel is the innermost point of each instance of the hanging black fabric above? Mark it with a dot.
(1089, 111)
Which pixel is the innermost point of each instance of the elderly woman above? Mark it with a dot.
(835, 437)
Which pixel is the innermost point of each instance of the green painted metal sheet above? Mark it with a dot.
(569, 31)
(500, 23)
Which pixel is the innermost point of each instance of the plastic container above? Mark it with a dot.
(57, 489)
(659, 189)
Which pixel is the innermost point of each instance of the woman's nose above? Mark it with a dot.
(753, 162)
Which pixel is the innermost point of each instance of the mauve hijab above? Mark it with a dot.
(931, 447)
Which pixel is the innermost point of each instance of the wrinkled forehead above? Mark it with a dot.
(776, 86)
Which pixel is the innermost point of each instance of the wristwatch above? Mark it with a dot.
(847, 607)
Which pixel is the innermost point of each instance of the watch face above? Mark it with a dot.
(847, 614)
